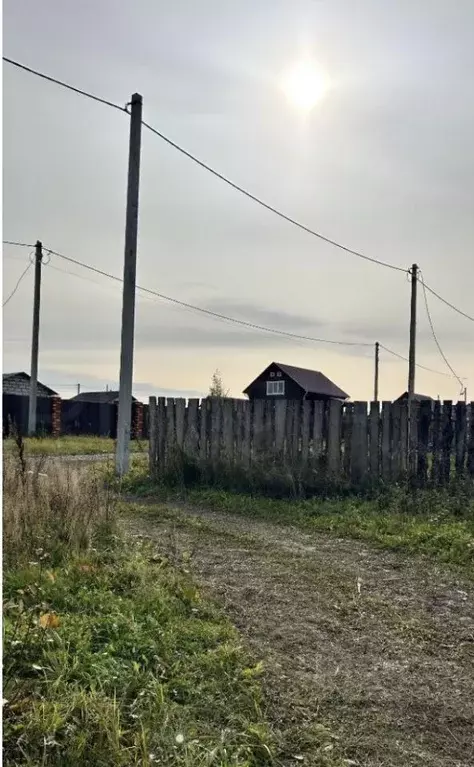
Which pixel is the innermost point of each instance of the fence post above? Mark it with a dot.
(56, 403)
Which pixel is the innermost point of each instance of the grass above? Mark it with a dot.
(111, 655)
(438, 523)
(69, 445)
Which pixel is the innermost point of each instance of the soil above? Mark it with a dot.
(368, 655)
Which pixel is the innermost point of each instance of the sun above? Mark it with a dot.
(304, 85)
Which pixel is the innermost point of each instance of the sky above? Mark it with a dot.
(383, 164)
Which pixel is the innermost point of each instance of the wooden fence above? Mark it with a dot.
(351, 441)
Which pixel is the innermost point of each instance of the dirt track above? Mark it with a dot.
(369, 657)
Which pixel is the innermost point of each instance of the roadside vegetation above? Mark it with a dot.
(111, 655)
(70, 445)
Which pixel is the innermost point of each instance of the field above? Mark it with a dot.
(368, 651)
(197, 626)
(111, 655)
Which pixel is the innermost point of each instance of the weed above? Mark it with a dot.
(111, 656)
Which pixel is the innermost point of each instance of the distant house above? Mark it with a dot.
(19, 384)
(99, 397)
(288, 382)
(416, 398)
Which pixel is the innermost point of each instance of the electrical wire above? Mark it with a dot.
(65, 85)
(265, 205)
(451, 306)
(208, 312)
(18, 244)
(430, 320)
(211, 170)
(417, 364)
(17, 285)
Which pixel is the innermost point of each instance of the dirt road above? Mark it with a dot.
(368, 656)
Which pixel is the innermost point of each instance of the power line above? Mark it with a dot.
(226, 180)
(18, 244)
(225, 317)
(418, 365)
(17, 285)
(214, 172)
(265, 205)
(208, 312)
(451, 306)
(65, 85)
(435, 336)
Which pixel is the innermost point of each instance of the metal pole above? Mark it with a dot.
(122, 454)
(35, 341)
(376, 377)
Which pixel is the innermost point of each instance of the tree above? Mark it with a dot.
(216, 388)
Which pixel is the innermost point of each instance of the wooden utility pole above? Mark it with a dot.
(122, 455)
(78, 388)
(35, 342)
(376, 376)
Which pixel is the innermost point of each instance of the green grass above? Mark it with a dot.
(428, 523)
(84, 445)
(111, 656)
(139, 670)
(435, 522)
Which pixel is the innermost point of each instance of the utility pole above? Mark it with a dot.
(35, 341)
(78, 388)
(376, 377)
(122, 455)
(412, 355)
(412, 352)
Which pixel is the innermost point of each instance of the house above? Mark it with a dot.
(416, 398)
(293, 383)
(99, 397)
(19, 384)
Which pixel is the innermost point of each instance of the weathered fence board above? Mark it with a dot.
(386, 451)
(359, 442)
(180, 412)
(191, 440)
(350, 442)
(334, 437)
(460, 438)
(374, 439)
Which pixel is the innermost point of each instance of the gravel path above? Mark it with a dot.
(368, 656)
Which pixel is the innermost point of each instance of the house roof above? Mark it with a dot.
(25, 377)
(101, 397)
(416, 397)
(311, 381)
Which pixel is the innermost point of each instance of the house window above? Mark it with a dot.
(275, 387)
(278, 374)
(272, 375)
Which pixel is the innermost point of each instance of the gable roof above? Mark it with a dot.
(311, 381)
(21, 378)
(100, 397)
(416, 397)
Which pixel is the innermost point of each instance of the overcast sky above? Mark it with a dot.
(384, 163)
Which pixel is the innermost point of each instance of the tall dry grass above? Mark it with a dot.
(51, 506)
